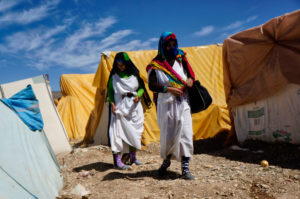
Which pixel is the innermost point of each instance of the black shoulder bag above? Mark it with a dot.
(199, 97)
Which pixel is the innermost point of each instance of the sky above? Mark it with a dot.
(58, 37)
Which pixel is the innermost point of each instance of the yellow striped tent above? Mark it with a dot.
(207, 64)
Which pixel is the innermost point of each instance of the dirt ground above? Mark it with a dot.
(231, 172)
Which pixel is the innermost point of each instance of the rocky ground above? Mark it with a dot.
(231, 172)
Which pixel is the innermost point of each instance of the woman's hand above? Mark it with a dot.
(174, 91)
(136, 99)
(189, 82)
(113, 107)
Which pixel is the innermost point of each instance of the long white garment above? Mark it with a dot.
(174, 119)
(126, 125)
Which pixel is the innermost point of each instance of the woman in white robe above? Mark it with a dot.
(125, 89)
(168, 76)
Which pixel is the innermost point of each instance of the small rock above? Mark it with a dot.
(80, 191)
(296, 177)
(64, 195)
(84, 173)
(170, 194)
(130, 168)
(264, 186)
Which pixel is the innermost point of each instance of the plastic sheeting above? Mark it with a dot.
(28, 168)
(26, 106)
(258, 62)
(273, 119)
(207, 64)
(77, 103)
(53, 126)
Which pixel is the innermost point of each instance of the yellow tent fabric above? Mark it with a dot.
(207, 64)
(77, 103)
(55, 101)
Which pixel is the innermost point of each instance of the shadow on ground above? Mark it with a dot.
(170, 175)
(98, 166)
(278, 154)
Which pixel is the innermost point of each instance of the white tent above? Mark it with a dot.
(53, 125)
(28, 167)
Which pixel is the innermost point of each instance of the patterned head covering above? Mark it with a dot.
(165, 38)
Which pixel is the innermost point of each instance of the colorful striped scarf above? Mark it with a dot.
(173, 77)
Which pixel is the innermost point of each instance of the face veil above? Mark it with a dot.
(174, 52)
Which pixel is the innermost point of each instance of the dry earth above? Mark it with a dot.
(230, 172)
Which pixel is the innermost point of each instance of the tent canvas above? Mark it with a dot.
(77, 103)
(207, 64)
(260, 61)
(53, 125)
(273, 119)
(28, 167)
(261, 80)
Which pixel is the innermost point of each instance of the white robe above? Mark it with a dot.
(174, 119)
(126, 125)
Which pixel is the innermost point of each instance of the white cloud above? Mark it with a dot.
(204, 31)
(32, 39)
(234, 28)
(7, 4)
(234, 25)
(43, 48)
(88, 30)
(82, 48)
(135, 45)
(114, 38)
(86, 53)
(239, 24)
(252, 18)
(28, 16)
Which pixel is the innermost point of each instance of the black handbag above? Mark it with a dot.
(199, 97)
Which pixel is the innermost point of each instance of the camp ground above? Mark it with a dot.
(253, 78)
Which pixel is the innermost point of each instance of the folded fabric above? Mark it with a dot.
(26, 106)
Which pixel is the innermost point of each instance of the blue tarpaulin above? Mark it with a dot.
(25, 104)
